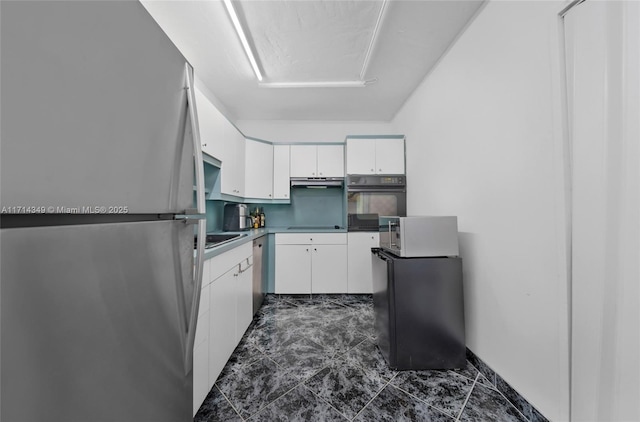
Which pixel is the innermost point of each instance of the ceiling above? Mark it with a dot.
(389, 44)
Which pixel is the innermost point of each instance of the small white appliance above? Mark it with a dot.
(420, 236)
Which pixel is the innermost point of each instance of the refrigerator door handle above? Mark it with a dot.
(196, 216)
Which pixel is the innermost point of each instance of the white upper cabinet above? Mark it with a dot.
(317, 161)
(330, 160)
(259, 170)
(389, 156)
(281, 184)
(211, 123)
(375, 156)
(232, 172)
(303, 161)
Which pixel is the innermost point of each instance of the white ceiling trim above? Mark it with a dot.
(374, 39)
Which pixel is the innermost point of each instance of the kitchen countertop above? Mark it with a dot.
(256, 233)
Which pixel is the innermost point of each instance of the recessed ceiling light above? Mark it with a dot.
(243, 38)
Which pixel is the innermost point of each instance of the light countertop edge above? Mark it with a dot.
(256, 233)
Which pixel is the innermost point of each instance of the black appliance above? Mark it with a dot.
(370, 196)
(236, 218)
(419, 311)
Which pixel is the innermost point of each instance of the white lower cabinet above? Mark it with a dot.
(201, 352)
(226, 310)
(311, 263)
(293, 269)
(359, 267)
(244, 299)
(222, 327)
(329, 269)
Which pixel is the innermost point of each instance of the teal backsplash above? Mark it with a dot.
(308, 207)
(214, 215)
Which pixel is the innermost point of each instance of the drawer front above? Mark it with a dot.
(218, 265)
(311, 238)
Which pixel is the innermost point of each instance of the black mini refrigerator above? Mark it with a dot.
(419, 311)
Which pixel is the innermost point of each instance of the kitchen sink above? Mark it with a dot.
(218, 239)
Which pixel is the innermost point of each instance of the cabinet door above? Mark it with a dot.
(330, 160)
(211, 123)
(238, 173)
(281, 183)
(389, 156)
(359, 265)
(232, 172)
(258, 170)
(361, 156)
(293, 269)
(303, 161)
(227, 172)
(222, 322)
(201, 385)
(244, 299)
(329, 269)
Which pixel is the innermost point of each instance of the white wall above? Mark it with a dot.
(484, 142)
(311, 131)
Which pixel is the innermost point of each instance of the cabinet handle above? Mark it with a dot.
(313, 174)
(373, 170)
(204, 145)
(320, 173)
(307, 249)
(380, 170)
(315, 249)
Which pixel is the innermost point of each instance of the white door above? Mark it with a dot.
(244, 297)
(222, 322)
(329, 269)
(303, 161)
(281, 183)
(359, 257)
(330, 160)
(293, 269)
(389, 156)
(259, 170)
(201, 351)
(361, 156)
(210, 121)
(603, 78)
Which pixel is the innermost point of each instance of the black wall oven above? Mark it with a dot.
(373, 195)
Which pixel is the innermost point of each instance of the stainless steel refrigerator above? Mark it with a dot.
(99, 152)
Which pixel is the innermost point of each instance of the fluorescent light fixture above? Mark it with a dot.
(322, 84)
(243, 38)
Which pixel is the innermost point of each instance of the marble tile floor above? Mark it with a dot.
(315, 359)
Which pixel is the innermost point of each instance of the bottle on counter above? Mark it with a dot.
(256, 221)
(262, 218)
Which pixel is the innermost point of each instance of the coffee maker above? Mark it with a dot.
(236, 218)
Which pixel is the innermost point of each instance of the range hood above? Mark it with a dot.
(317, 182)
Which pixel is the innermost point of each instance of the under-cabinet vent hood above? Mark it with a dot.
(317, 182)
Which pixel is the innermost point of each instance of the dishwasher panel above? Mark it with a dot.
(259, 251)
